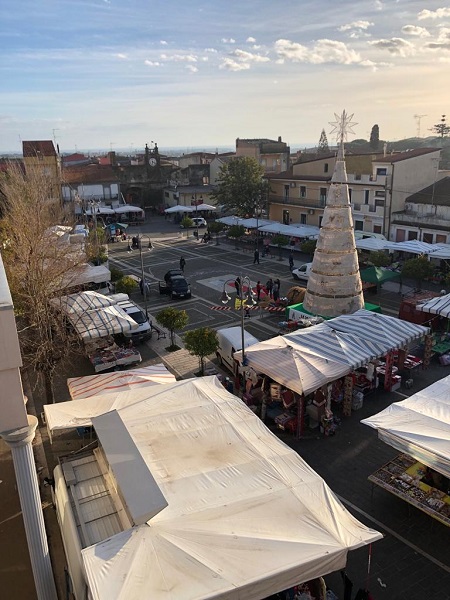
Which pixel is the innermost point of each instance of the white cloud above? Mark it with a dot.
(378, 5)
(397, 46)
(251, 40)
(122, 56)
(443, 40)
(444, 59)
(192, 68)
(356, 25)
(212, 50)
(256, 47)
(152, 63)
(323, 51)
(163, 42)
(231, 65)
(415, 31)
(179, 58)
(434, 14)
(228, 41)
(249, 57)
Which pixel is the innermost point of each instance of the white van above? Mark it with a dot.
(230, 341)
(144, 331)
(302, 272)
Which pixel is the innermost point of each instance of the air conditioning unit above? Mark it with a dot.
(311, 211)
(292, 184)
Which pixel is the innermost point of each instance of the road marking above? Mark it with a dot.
(395, 535)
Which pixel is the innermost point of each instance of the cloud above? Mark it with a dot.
(152, 63)
(378, 5)
(228, 41)
(442, 42)
(212, 50)
(356, 25)
(415, 31)
(179, 58)
(251, 40)
(323, 51)
(122, 56)
(434, 14)
(231, 65)
(397, 46)
(248, 57)
(192, 68)
(163, 42)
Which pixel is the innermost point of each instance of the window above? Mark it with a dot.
(428, 238)
(412, 235)
(366, 196)
(359, 225)
(303, 191)
(286, 192)
(325, 168)
(400, 235)
(441, 239)
(381, 171)
(322, 196)
(320, 221)
(379, 202)
(263, 162)
(380, 194)
(302, 219)
(350, 194)
(377, 228)
(285, 217)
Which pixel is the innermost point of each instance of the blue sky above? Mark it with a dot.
(117, 74)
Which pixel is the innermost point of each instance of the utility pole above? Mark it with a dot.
(418, 119)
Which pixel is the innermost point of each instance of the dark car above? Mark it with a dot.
(176, 286)
(172, 273)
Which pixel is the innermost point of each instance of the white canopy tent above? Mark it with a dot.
(436, 306)
(99, 210)
(442, 251)
(254, 223)
(373, 244)
(413, 247)
(230, 221)
(127, 208)
(299, 231)
(83, 301)
(204, 206)
(245, 515)
(112, 383)
(419, 426)
(101, 322)
(178, 209)
(87, 274)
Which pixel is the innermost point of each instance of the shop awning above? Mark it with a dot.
(436, 306)
(112, 383)
(379, 275)
(101, 322)
(127, 208)
(372, 244)
(254, 223)
(419, 426)
(302, 231)
(246, 516)
(178, 209)
(413, 247)
(87, 274)
(230, 221)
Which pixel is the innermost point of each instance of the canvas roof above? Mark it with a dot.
(419, 426)
(291, 230)
(379, 275)
(246, 516)
(372, 244)
(437, 306)
(413, 247)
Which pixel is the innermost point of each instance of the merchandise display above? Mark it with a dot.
(410, 480)
(104, 354)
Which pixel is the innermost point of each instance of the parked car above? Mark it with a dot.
(197, 222)
(175, 285)
(302, 272)
(144, 332)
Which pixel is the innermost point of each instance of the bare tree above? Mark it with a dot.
(40, 264)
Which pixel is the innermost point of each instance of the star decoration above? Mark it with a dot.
(342, 126)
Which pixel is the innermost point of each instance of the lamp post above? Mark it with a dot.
(147, 240)
(249, 297)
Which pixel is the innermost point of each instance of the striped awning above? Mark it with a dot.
(413, 247)
(102, 322)
(82, 302)
(436, 306)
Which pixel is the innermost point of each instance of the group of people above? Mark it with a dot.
(272, 288)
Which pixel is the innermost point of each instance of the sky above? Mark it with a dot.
(117, 74)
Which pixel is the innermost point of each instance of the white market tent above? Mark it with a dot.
(127, 208)
(442, 251)
(112, 383)
(83, 301)
(245, 516)
(87, 274)
(413, 247)
(178, 208)
(373, 244)
(101, 322)
(230, 221)
(436, 306)
(100, 210)
(254, 223)
(299, 231)
(419, 426)
(204, 206)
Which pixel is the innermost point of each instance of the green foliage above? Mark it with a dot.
(125, 285)
(187, 222)
(379, 258)
(418, 268)
(308, 246)
(442, 129)
(216, 227)
(323, 147)
(240, 186)
(280, 241)
(375, 137)
(116, 274)
(201, 342)
(236, 231)
(172, 319)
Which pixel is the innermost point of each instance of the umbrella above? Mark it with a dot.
(117, 226)
(178, 208)
(206, 207)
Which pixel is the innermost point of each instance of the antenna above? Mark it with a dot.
(418, 118)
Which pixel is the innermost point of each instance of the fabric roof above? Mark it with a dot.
(254, 223)
(373, 244)
(100, 210)
(419, 426)
(379, 275)
(126, 208)
(83, 301)
(413, 247)
(204, 206)
(246, 516)
(291, 230)
(178, 208)
(437, 306)
(230, 221)
(111, 383)
(101, 322)
(442, 251)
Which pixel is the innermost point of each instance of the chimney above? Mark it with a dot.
(279, 138)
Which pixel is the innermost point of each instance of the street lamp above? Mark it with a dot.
(146, 239)
(248, 298)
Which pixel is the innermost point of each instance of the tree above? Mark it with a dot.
(375, 137)
(236, 232)
(201, 342)
(418, 268)
(216, 227)
(240, 186)
(186, 223)
(308, 246)
(40, 265)
(125, 285)
(280, 241)
(172, 319)
(323, 147)
(442, 129)
(379, 258)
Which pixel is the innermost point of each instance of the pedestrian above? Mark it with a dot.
(182, 263)
(291, 260)
(275, 291)
(141, 286)
(277, 281)
(258, 291)
(256, 257)
(129, 246)
(237, 285)
(269, 287)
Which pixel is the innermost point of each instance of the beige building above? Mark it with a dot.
(378, 186)
(41, 154)
(273, 156)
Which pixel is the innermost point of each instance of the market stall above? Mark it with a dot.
(104, 354)
(419, 427)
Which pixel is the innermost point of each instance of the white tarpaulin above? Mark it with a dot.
(111, 383)
(178, 209)
(291, 230)
(246, 516)
(373, 244)
(254, 223)
(230, 221)
(413, 247)
(83, 301)
(127, 208)
(436, 306)
(109, 320)
(419, 426)
(87, 274)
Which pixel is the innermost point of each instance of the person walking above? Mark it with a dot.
(182, 263)
(256, 257)
(291, 260)
(269, 287)
(258, 291)
(276, 290)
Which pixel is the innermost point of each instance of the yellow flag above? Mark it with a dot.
(237, 303)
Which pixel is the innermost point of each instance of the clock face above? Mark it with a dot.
(152, 162)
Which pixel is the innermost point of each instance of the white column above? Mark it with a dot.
(20, 442)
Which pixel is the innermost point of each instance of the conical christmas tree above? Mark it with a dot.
(334, 285)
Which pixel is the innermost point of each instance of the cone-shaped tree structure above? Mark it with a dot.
(334, 285)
